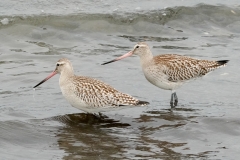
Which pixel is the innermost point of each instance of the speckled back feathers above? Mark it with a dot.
(98, 94)
(182, 68)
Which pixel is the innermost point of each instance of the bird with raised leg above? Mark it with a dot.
(170, 71)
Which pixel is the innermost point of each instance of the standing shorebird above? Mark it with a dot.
(88, 94)
(170, 71)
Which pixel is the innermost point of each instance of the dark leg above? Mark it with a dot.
(176, 99)
(172, 100)
(99, 115)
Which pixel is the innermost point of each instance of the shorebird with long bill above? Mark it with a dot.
(170, 71)
(89, 94)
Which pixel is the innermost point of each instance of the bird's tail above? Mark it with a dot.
(222, 62)
(142, 103)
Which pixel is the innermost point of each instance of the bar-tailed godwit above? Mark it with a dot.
(170, 71)
(88, 94)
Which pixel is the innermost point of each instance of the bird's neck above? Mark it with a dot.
(65, 76)
(146, 58)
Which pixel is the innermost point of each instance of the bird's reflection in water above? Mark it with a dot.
(74, 120)
(157, 124)
(87, 136)
(170, 114)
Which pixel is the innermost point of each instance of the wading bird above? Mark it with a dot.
(88, 94)
(170, 71)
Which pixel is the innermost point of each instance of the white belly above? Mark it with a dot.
(74, 100)
(79, 103)
(160, 80)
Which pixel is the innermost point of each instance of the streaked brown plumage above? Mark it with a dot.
(98, 94)
(182, 68)
(170, 71)
(88, 94)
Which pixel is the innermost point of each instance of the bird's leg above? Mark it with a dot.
(176, 99)
(95, 114)
(100, 115)
(172, 100)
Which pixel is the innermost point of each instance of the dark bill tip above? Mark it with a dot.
(48, 77)
(39, 83)
(119, 58)
(108, 62)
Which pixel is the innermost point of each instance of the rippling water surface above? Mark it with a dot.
(40, 124)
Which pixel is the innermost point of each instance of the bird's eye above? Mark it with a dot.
(137, 47)
(58, 64)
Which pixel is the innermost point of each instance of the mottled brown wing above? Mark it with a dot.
(182, 68)
(98, 94)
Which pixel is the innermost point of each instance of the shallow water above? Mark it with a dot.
(40, 124)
